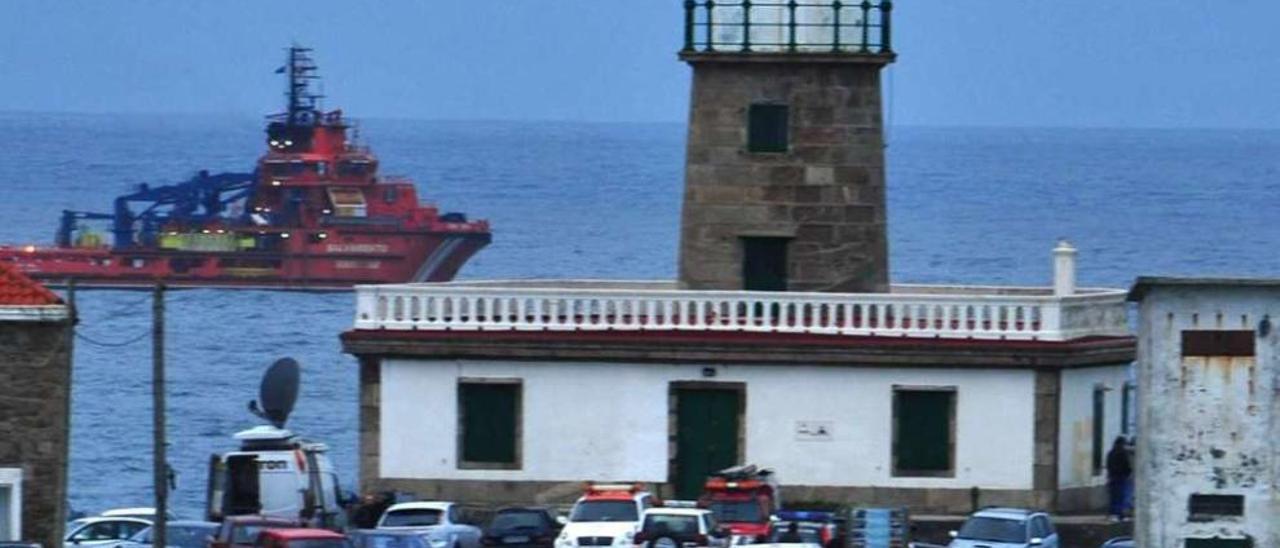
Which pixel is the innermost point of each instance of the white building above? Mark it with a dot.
(783, 343)
(511, 392)
(1207, 366)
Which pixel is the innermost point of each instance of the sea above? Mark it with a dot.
(583, 200)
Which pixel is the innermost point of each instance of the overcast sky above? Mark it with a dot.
(1125, 63)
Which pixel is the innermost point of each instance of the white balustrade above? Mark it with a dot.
(955, 312)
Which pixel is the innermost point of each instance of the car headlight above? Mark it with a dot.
(437, 542)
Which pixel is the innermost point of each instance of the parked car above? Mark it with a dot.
(680, 528)
(521, 527)
(440, 522)
(178, 534)
(242, 531)
(102, 530)
(144, 512)
(1005, 528)
(606, 515)
(811, 527)
(301, 538)
(1119, 542)
(386, 538)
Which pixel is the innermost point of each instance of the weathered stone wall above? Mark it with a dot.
(370, 423)
(826, 193)
(1207, 422)
(35, 402)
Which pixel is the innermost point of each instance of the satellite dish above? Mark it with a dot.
(278, 393)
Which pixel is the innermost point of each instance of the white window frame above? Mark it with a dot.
(12, 478)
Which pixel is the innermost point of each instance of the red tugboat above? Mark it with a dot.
(313, 215)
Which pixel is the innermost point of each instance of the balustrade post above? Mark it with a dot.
(1051, 321)
(746, 25)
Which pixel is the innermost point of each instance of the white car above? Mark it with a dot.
(680, 528)
(141, 512)
(607, 515)
(1005, 528)
(439, 522)
(102, 530)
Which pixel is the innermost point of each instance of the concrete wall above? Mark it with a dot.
(35, 386)
(826, 193)
(609, 421)
(1207, 425)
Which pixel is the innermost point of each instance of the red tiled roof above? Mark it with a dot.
(17, 289)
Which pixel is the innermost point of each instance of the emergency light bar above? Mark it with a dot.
(721, 483)
(604, 487)
(803, 515)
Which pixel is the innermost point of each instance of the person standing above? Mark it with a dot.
(1119, 470)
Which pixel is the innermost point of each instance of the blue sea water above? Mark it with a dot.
(966, 205)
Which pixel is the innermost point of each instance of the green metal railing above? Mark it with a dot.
(788, 26)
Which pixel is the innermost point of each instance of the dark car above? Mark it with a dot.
(387, 538)
(521, 527)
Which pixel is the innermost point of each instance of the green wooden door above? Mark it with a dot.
(706, 436)
(764, 263)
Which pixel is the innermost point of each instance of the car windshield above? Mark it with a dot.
(414, 517)
(668, 524)
(809, 532)
(605, 510)
(374, 540)
(185, 536)
(736, 511)
(994, 529)
(518, 520)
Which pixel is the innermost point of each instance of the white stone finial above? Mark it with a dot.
(1064, 269)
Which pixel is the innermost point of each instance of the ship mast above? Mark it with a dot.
(302, 103)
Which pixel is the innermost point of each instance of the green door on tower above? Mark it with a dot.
(706, 436)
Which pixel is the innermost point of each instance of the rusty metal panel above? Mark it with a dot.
(1202, 507)
(1218, 343)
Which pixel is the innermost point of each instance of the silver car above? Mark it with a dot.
(102, 531)
(1006, 528)
(440, 523)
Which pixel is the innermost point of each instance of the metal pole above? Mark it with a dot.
(689, 6)
(71, 299)
(160, 469)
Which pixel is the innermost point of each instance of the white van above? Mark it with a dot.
(275, 474)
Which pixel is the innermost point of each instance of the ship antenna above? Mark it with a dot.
(302, 102)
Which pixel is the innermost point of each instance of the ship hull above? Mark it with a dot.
(322, 266)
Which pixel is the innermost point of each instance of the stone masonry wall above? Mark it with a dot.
(35, 403)
(826, 192)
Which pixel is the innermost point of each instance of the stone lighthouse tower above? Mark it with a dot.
(785, 178)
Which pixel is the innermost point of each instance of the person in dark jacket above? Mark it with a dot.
(1119, 470)
(371, 509)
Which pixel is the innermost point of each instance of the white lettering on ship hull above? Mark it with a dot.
(357, 248)
(358, 265)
